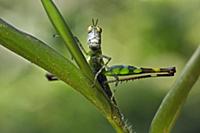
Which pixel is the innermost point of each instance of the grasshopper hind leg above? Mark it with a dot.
(114, 90)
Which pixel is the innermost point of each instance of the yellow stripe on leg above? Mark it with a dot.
(156, 69)
(137, 70)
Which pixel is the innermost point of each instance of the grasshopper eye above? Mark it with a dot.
(99, 29)
(90, 28)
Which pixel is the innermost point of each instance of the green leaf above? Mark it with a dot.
(64, 31)
(44, 56)
(171, 106)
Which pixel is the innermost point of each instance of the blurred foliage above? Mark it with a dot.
(145, 32)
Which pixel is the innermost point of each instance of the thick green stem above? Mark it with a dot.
(170, 108)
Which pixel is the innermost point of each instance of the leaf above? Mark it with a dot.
(171, 106)
(47, 58)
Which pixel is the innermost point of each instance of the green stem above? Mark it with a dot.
(63, 29)
(170, 107)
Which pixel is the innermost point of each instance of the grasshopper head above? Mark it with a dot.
(94, 36)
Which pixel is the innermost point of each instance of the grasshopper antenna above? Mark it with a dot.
(94, 22)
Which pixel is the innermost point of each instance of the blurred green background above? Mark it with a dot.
(150, 33)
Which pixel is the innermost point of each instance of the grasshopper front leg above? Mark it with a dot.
(80, 46)
(104, 65)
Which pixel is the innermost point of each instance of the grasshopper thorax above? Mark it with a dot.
(94, 36)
